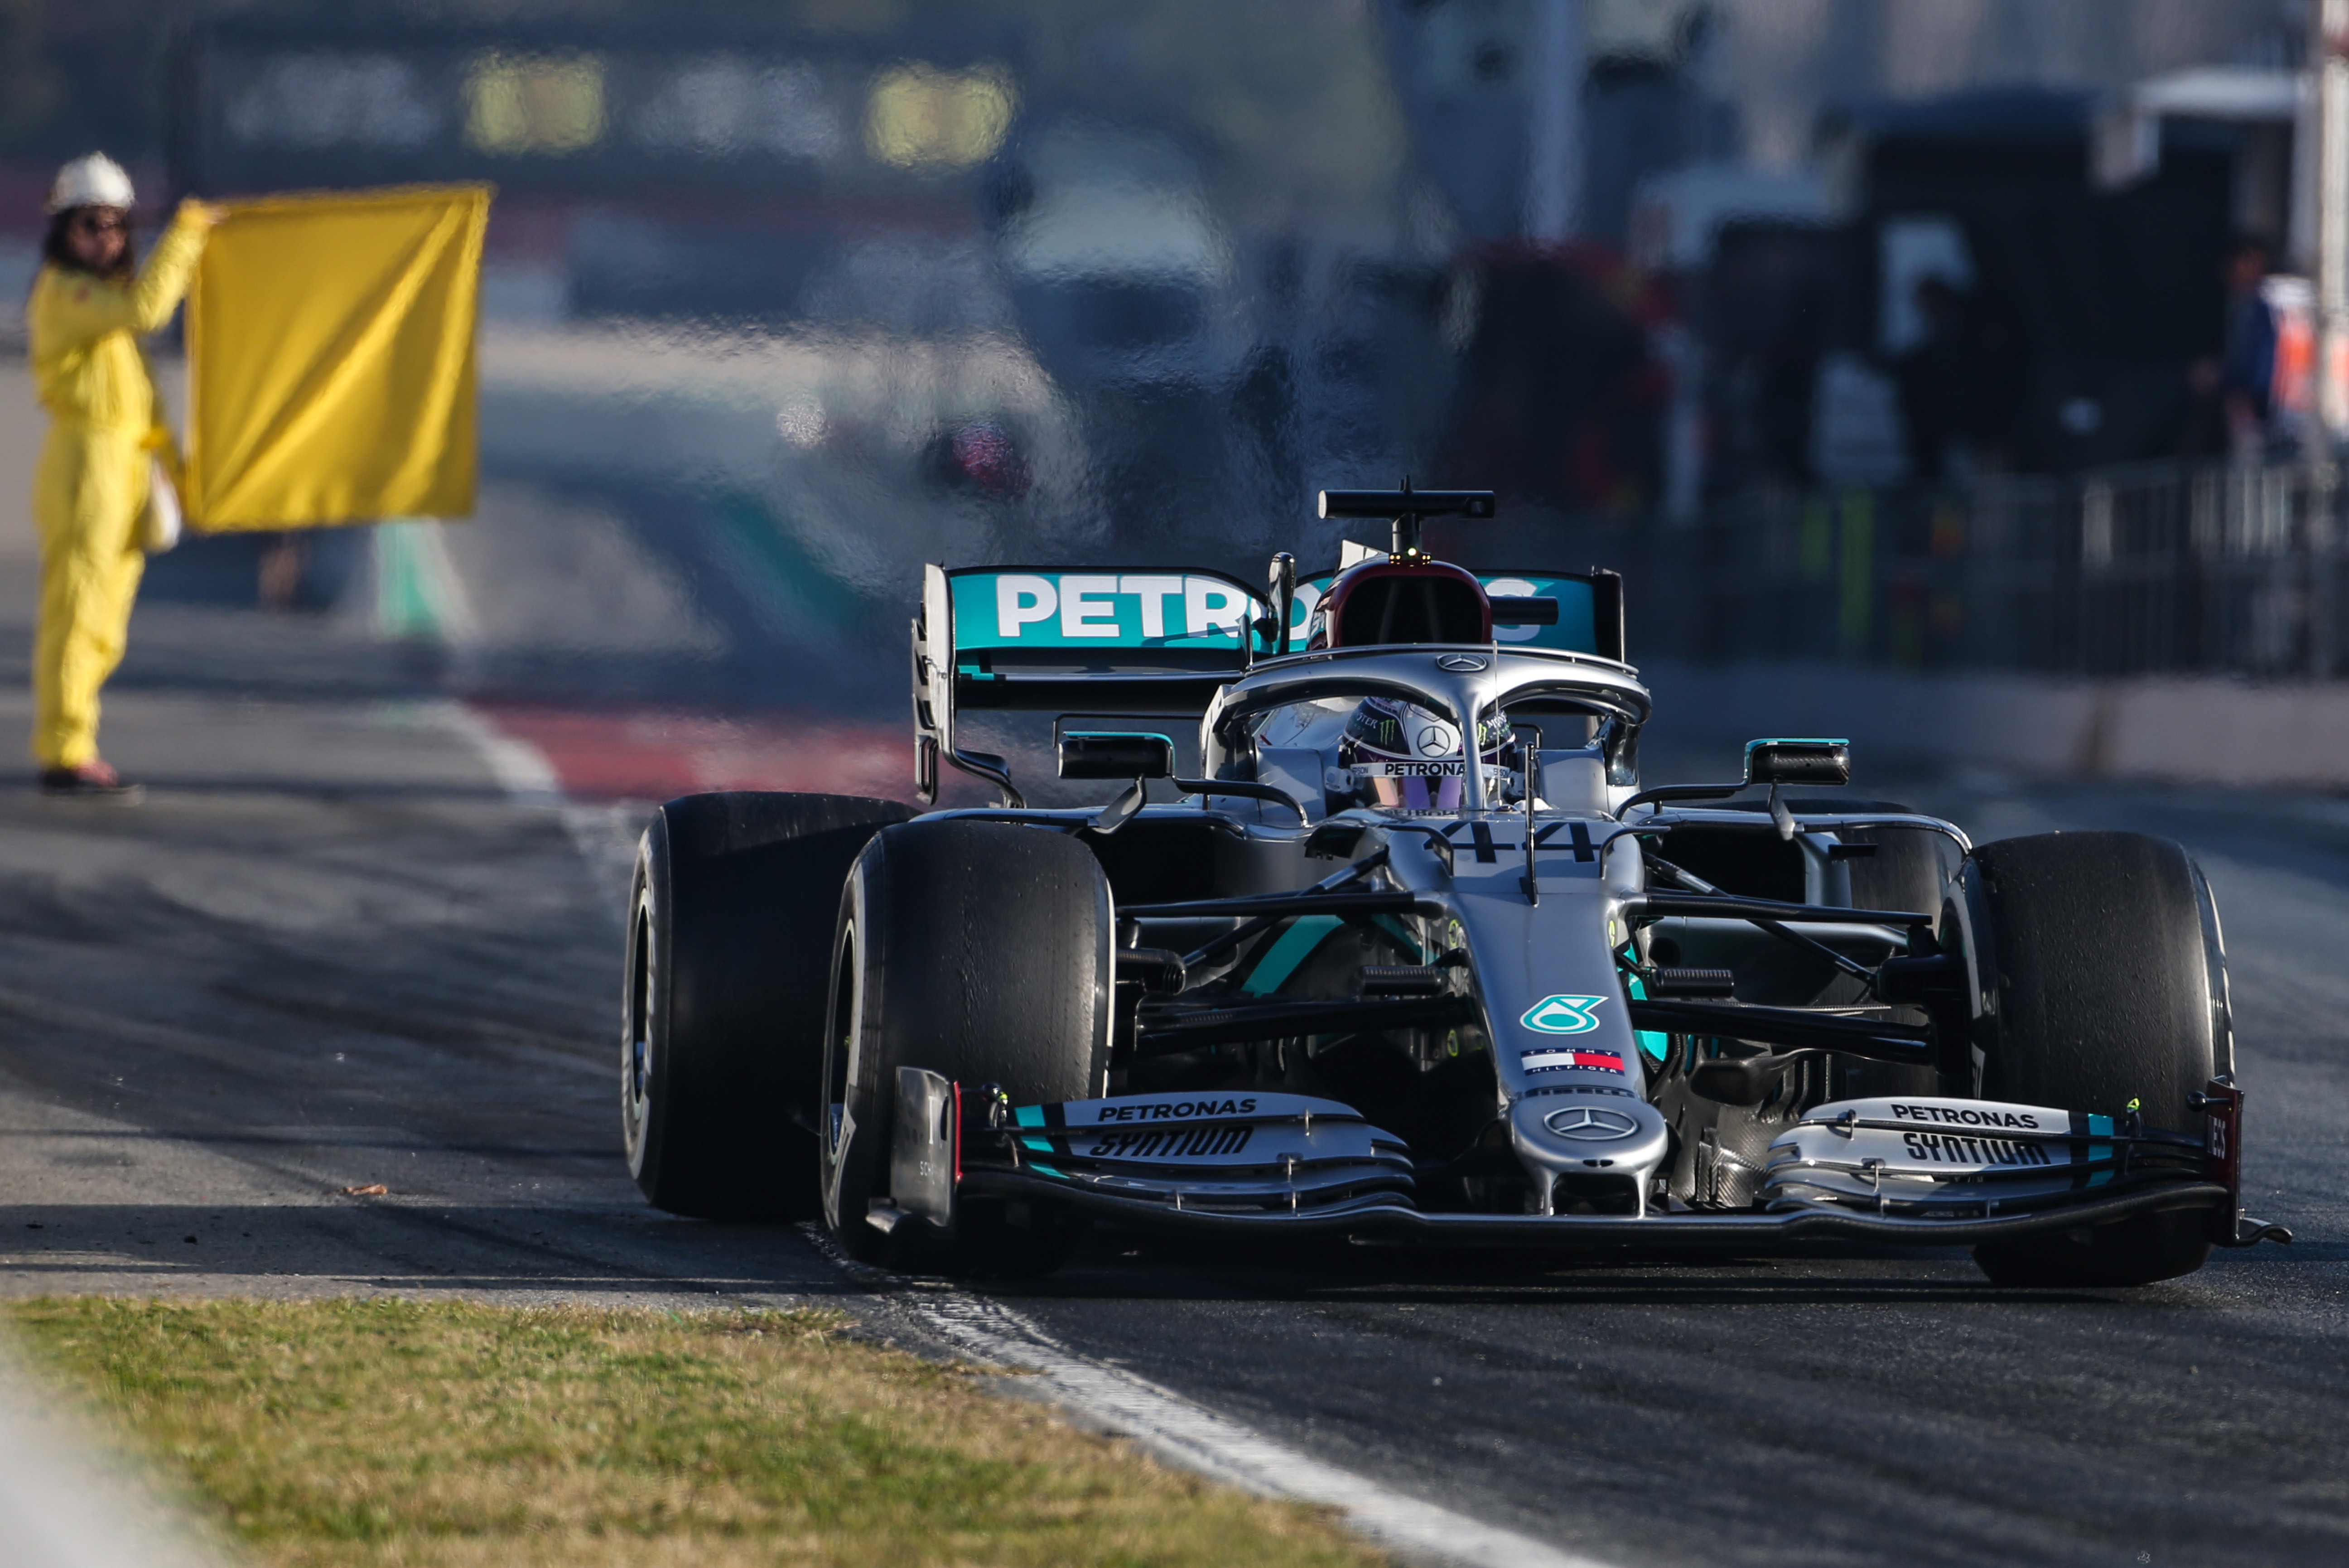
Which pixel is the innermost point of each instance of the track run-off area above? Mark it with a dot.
(362, 934)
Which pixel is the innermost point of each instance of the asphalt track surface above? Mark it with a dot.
(332, 952)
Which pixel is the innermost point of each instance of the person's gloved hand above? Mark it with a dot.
(201, 214)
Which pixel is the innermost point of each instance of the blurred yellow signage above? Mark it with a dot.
(330, 359)
(535, 103)
(919, 115)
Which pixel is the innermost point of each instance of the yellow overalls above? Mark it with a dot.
(92, 483)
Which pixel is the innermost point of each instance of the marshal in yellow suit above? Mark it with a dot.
(92, 482)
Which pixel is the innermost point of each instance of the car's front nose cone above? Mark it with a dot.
(1588, 1132)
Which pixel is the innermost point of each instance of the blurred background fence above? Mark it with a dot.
(2151, 568)
(1892, 332)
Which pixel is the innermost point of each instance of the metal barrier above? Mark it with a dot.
(2153, 568)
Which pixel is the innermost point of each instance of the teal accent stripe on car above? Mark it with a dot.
(2100, 1126)
(1043, 1169)
(1040, 1144)
(1395, 927)
(1030, 1116)
(1293, 947)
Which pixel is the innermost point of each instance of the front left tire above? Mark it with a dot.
(981, 951)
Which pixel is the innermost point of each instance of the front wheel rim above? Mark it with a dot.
(839, 1072)
(636, 1045)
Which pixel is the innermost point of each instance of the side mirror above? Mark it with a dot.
(1116, 755)
(1806, 763)
(1771, 763)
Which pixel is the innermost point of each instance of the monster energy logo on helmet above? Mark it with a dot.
(1384, 726)
(1405, 757)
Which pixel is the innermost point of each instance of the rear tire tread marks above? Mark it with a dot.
(729, 935)
(2102, 976)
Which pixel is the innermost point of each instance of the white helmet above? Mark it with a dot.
(95, 181)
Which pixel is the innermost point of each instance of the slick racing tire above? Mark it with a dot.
(982, 952)
(2093, 946)
(729, 935)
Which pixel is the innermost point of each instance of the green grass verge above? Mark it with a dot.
(400, 1432)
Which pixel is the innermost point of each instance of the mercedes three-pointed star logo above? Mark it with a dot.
(1461, 663)
(1593, 1122)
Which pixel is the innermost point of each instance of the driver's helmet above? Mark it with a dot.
(1403, 757)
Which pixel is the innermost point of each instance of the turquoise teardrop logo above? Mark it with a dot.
(1562, 1014)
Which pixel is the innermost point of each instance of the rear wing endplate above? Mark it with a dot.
(1138, 640)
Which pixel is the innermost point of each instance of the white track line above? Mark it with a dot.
(521, 769)
(69, 1499)
(604, 835)
(1189, 1436)
(1177, 1431)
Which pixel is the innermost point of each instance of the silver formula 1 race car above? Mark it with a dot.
(1415, 956)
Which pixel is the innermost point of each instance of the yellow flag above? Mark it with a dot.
(330, 359)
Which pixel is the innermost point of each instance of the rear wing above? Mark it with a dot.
(1144, 641)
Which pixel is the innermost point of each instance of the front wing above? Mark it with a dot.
(1938, 1172)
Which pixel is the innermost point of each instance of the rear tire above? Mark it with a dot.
(981, 950)
(2093, 946)
(729, 926)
